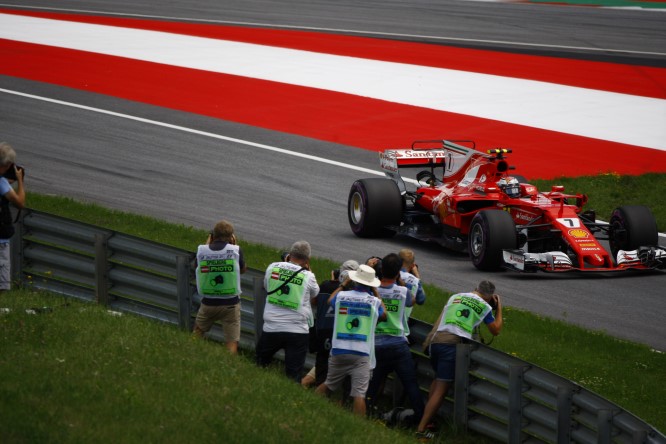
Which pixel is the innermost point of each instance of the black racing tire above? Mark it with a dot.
(491, 231)
(374, 204)
(632, 226)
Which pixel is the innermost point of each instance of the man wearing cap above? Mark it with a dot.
(220, 263)
(462, 313)
(356, 314)
(291, 289)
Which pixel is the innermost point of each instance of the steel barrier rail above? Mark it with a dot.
(494, 394)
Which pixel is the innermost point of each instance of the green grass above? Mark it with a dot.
(609, 191)
(80, 374)
(631, 375)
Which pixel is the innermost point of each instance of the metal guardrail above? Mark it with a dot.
(495, 394)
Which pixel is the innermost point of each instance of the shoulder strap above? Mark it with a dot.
(284, 284)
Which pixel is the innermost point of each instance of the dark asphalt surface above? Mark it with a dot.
(275, 198)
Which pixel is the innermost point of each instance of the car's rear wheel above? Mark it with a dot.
(491, 232)
(374, 204)
(631, 226)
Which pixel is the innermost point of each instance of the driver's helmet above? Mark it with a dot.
(510, 186)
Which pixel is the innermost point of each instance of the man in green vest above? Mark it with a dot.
(461, 315)
(391, 347)
(352, 354)
(220, 263)
(291, 289)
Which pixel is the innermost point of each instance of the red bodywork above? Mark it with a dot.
(455, 182)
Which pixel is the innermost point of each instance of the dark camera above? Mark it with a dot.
(493, 302)
(10, 174)
(377, 265)
(284, 256)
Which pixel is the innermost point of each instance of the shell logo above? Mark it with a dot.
(579, 234)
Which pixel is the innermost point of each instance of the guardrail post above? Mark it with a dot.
(604, 426)
(259, 303)
(16, 251)
(102, 268)
(183, 290)
(516, 402)
(564, 399)
(639, 437)
(461, 384)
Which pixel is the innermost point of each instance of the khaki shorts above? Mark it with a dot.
(229, 315)
(356, 366)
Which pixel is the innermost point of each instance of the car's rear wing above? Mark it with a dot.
(449, 156)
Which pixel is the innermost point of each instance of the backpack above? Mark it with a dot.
(6, 223)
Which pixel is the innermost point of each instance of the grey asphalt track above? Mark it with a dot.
(273, 198)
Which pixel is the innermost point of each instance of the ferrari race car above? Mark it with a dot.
(467, 200)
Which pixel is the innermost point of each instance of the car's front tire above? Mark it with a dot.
(491, 232)
(372, 205)
(632, 226)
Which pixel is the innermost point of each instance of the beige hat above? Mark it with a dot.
(364, 275)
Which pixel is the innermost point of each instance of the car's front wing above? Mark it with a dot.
(644, 258)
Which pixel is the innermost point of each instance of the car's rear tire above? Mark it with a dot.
(491, 231)
(372, 205)
(631, 226)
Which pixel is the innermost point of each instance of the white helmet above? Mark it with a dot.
(510, 186)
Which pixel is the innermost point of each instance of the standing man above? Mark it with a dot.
(291, 289)
(8, 169)
(410, 275)
(391, 346)
(220, 263)
(462, 313)
(356, 315)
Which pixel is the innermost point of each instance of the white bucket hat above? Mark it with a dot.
(364, 275)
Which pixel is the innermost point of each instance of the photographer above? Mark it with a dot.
(10, 172)
(220, 262)
(291, 289)
(323, 331)
(461, 314)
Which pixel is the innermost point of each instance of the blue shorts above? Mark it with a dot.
(443, 361)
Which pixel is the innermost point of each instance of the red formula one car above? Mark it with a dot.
(467, 200)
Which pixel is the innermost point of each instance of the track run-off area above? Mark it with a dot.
(588, 117)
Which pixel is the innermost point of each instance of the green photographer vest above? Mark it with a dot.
(394, 299)
(462, 313)
(356, 316)
(290, 295)
(218, 272)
